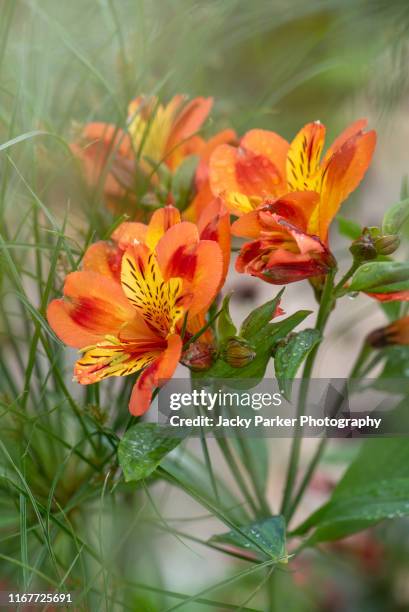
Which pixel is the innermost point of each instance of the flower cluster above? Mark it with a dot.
(139, 304)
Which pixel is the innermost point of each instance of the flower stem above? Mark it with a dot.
(326, 305)
(339, 287)
(355, 373)
(328, 299)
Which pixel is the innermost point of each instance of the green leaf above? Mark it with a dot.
(142, 449)
(396, 218)
(289, 356)
(349, 229)
(381, 277)
(225, 326)
(375, 487)
(259, 317)
(263, 343)
(267, 535)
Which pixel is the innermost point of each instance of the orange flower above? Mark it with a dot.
(286, 196)
(282, 251)
(156, 134)
(126, 308)
(395, 333)
(265, 166)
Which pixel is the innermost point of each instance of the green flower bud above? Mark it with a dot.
(363, 248)
(386, 245)
(237, 352)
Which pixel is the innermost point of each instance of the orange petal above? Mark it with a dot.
(156, 374)
(174, 251)
(160, 222)
(223, 180)
(208, 276)
(187, 123)
(110, 135)
(278, 265)
(305, 242)
(349, 132)
(270, 145)
(247, 226)
(398, 296)
(222, 170)
(296, 207)
(67, 329)
(101, 145)
(104, 258)
(129, 233)
(95, 307)
(343, 173)
(257, 175)
(199, 203)
(202, 172)
(214, 224)
(303, 159)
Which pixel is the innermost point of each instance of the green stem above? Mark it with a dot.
(355, 372)
(235, 470)
(326, 305)
(339, 287)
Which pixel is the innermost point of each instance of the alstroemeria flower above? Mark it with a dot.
(125, 310)
(281, 250)
(395, 333)
(156, 134)
(265, 167)
(286, 197)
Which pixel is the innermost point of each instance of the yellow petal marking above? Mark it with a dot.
(158, 301)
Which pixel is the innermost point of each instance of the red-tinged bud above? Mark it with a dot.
(386, 245)
(198, 356)
(237, 352)
(395, 333)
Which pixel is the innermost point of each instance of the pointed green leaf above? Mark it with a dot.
(289, 356)
(257, 319)
(375, 487)
(267, 536)
(142, 449)
(225, 326)
(263, 343)
(381, 277)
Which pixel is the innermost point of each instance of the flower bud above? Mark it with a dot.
(198, 356)
(363, 248)
(386, 245)
(395, 333)
(237, 352)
